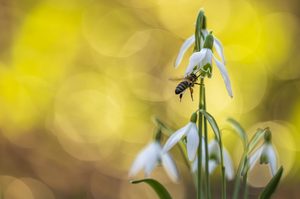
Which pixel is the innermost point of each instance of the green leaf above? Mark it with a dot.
(239, 130)
(255, 139)
(272, 185)
(160, 190)
(212, 123)
(159, 123)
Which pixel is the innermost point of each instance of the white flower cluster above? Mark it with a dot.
(155, 154)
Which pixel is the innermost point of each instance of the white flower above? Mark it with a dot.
(191, 132)
(191, 40)
(150, 157)
(215, 159)
(266, 153)
(204, 57)
(195, 162)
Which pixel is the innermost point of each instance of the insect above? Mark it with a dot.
(187, 82)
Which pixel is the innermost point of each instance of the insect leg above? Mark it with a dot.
(180, 96)
(191, 90)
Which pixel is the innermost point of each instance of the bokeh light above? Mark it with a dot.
(80, 81)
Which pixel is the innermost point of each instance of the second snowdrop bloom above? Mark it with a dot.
(189, 131)
(266, 154)
(199, 59)
(150, 157)
(215, 160)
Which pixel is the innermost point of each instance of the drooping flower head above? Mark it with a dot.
(202, 59)
(266, 154)
(215, 159)
(151, 156)
(189, 131)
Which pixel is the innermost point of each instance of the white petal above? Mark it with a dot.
(195, 59)
(225, 76)
(176, 137)
(195, 162)
(228, 165)
(169, 166)
(205, 32)
(140, 161)
(253, 159)
(213, 148)
(207, 58)
(185, 46)
(272, 158)
(219, 48)
(212, 165)
(192, 142)
(152, 155)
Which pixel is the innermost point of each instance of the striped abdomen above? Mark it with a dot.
(181, 87)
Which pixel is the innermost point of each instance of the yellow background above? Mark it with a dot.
(81, 79)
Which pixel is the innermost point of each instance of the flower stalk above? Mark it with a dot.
(222, 169)
(206, 147)
(199, 25)
(201, 105)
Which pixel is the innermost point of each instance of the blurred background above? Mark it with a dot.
(81, 79)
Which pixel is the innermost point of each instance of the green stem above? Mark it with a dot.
(208, 194)
(245, 185)
(238, 176)
(200, 119)
(222, 169)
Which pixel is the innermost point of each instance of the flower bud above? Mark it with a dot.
(209, 41)
(268, 135)
(194, 117)
(200, 23)
(158, 135)
(263, 159)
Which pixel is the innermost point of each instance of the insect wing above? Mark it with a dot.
(177, 78)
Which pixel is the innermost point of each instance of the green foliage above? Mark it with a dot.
(200, 23)
(239, 130)
(255, 139)
(212, 123)
(160, 190)
(272, 185)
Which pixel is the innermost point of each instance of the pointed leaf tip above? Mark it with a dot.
(272, 185)
(239, 130)
(211, 120)
(160, 190)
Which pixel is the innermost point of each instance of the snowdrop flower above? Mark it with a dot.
(204, 57)
(267, 155)
(150, 157)
(215, 160)
(191, 40)
(189, 131)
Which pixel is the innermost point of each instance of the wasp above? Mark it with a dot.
(187, 82)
